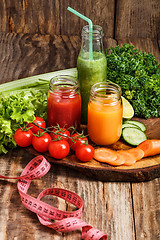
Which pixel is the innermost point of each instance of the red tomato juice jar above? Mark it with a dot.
(64, 102)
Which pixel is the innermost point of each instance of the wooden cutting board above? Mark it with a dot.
(144, 170)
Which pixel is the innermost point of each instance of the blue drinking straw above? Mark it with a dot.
(90, 30)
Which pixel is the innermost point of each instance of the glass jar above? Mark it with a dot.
(64, 102)
(105, 113)
(90, 71)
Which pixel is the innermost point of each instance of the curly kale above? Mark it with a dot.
(138, 74)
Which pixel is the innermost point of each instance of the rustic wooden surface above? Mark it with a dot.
(41, 36)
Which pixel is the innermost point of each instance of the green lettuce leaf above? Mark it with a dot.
(17, 109)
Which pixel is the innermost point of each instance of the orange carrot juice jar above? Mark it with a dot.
(105, 113)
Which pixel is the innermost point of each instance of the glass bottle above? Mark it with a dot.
(105, 113)
(90, 71)
(64, 102)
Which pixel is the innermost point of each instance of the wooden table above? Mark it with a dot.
(122, 210)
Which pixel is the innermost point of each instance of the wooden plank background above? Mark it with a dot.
(119, 18)
(52, 17)
(38, 29)
(39, 36)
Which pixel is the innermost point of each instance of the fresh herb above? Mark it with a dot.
(138, 74)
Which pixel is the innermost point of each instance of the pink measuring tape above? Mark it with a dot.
(66, 221)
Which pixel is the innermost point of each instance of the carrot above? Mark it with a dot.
(109, 156)
(105, 155)
(128, 157)
(120, 160)
(137, 152)
(150, 147)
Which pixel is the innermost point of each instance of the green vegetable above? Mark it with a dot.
(124, 125)
(137, 123)
(138, 74)
(34, 82)
(133, 136)
(20, 101)
(15, 110)
(133, 132)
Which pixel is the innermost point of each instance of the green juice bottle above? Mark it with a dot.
(90, 71)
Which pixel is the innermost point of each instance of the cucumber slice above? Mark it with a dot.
(133, 136)
(124, 125)
(139, 124)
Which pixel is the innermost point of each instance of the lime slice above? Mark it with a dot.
(128, 111)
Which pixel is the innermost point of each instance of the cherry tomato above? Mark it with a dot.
(23, 137)
(61, 133)
(84, 152)
(59, 149)
(78, 141)
(40, 142)
(40, 122)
